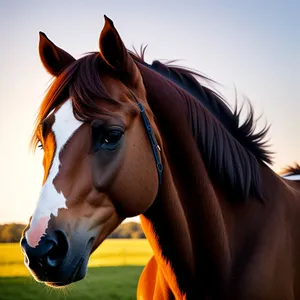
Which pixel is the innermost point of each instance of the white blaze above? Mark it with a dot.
(50, 200)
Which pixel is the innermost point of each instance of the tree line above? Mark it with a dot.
(11, 233)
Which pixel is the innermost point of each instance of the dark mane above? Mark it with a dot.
(217, 105)
(292, 170)
(232, 151)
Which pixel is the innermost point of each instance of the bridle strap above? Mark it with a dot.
(155, 146)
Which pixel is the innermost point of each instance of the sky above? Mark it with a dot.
(253, 46)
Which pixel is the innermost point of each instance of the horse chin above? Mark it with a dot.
(77, 274)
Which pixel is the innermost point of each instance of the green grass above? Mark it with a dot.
(114, 270)
(112, 252)
(107, 283)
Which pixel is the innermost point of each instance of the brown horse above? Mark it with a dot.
(122, 138)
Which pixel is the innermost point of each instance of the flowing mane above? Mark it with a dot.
(232, 151)
(217, 105)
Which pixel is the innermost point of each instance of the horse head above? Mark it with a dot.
(99, 166)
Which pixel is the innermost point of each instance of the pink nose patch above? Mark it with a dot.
(36, 231)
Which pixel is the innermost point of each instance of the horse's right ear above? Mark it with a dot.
(54, 59)
(115, 54)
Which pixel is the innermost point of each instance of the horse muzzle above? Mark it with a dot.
(55, 261)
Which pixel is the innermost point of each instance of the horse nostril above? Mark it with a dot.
(50, 252)
(58, 252)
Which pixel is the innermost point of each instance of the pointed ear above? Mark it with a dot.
(114, 53)
(54, 59)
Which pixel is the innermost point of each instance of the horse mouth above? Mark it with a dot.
(78, 273)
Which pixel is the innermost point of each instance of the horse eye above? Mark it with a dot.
(112, 137)
(106, 140)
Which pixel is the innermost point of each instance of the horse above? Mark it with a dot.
(123, 138)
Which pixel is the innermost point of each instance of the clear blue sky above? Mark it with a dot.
(254, 45)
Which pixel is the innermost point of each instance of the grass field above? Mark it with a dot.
(114, 269)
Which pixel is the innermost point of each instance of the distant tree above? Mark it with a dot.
(138, 235)
(127, 231)
(11, 233)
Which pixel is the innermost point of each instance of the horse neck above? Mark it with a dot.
(187, 214)
(167, 231)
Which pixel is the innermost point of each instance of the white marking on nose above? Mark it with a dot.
(50, 200)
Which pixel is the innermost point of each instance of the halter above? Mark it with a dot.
(155, 146)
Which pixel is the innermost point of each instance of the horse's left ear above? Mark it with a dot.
(54, 59)
(114, 52)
